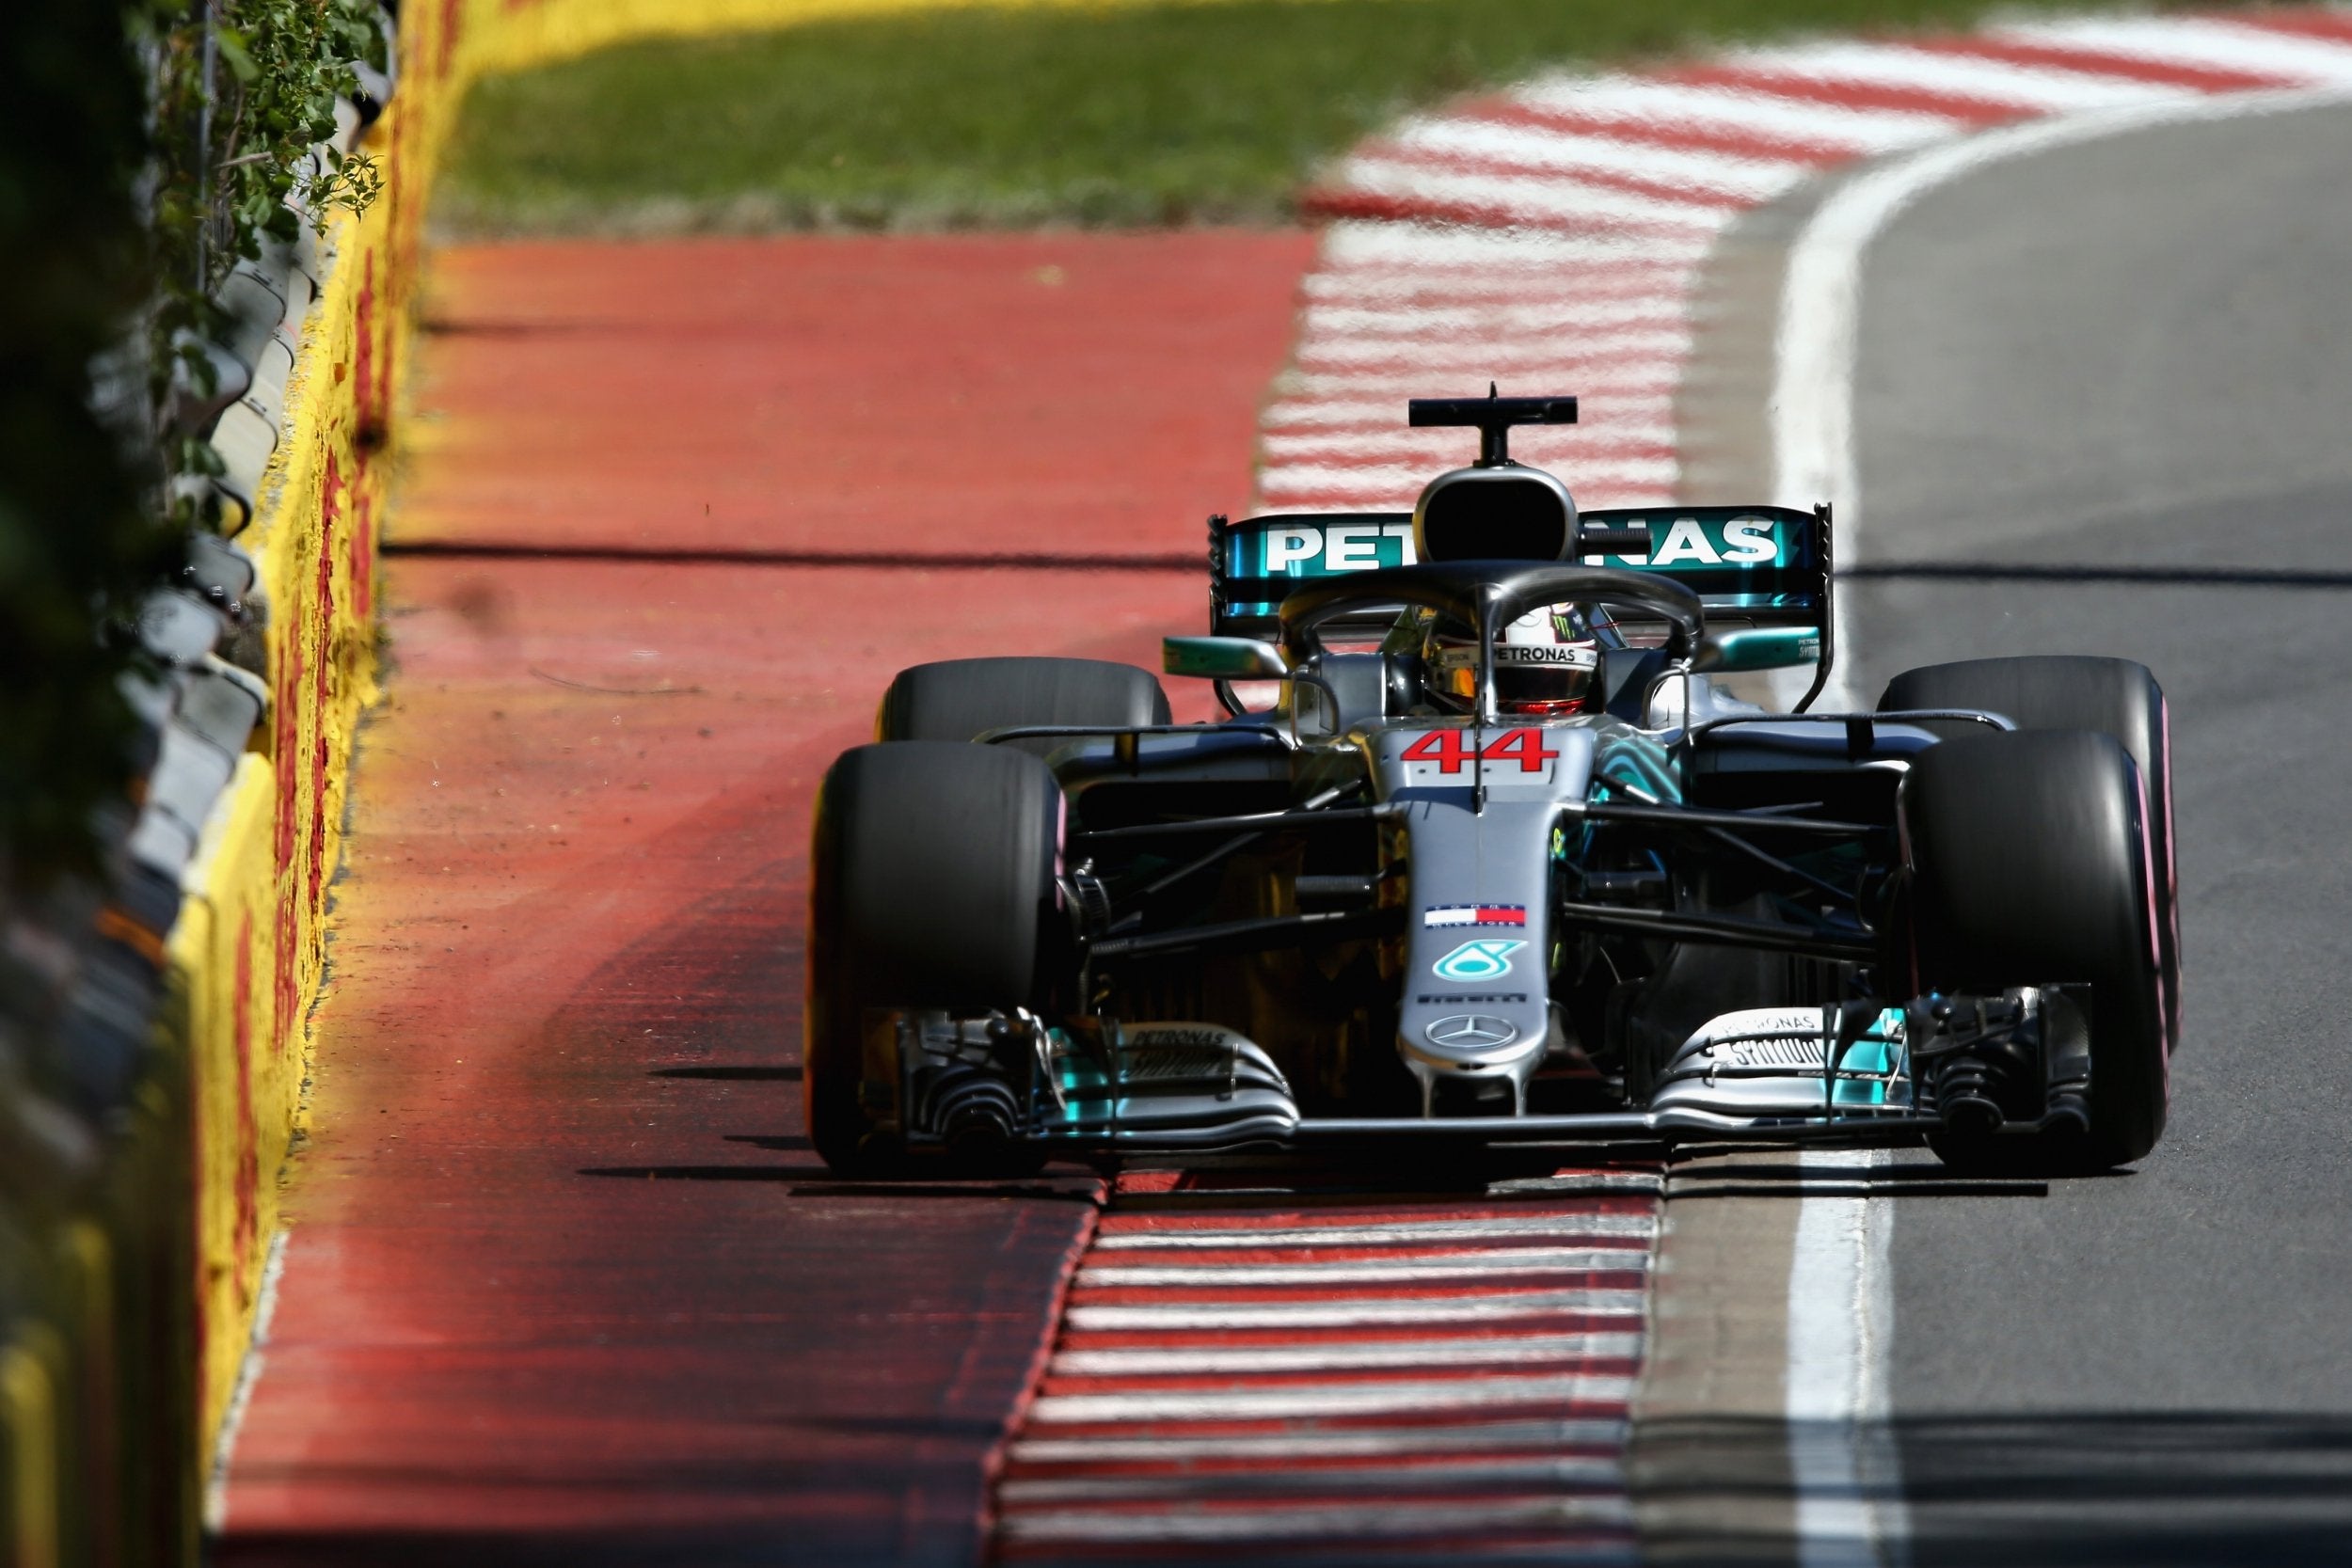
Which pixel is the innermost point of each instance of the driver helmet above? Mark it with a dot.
(1546, 664)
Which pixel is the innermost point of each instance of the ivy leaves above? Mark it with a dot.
(285, 63)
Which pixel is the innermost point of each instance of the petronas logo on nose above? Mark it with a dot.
(1477, 960)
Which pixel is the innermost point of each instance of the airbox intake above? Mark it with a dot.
(1505, 511)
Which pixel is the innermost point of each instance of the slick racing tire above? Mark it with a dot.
(960, 698)
(931, 868)
(2114, 696)
(2029, 864)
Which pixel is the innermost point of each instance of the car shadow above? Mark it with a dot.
(783, 1072)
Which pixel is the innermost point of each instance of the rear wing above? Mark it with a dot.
(1757, 565)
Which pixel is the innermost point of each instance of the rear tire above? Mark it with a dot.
(2114, 696)
(931, 872)
(960, 698)
(2029, 864)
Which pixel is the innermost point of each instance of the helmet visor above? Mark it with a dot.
(1529, 678)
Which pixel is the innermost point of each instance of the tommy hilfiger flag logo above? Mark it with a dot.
(1475, 914)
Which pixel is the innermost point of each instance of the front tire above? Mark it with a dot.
(2029, 864)
(957, 698)
(932, 869)
(2056, 691)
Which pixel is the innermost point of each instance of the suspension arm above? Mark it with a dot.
(1723, 931)
(1235, 936)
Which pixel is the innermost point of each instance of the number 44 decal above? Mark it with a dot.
(1451, 750)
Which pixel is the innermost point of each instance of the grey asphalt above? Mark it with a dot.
(2133, 353)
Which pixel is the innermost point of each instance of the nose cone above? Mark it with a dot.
(1477, 999)
(1475, 1040)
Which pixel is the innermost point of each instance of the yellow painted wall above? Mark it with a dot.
(248, 1073)
(247, 953)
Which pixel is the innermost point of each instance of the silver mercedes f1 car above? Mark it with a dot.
(1486, 849)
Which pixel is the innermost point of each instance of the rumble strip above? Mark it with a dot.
(1341, 1377)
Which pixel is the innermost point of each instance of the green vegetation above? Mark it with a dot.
(276, 68)
(232, 134)
(1164, 115)
(131, 179)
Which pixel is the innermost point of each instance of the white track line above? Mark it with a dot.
(1371, 402)
(1629, 437)
(1536, 199)
(1387, 477)
(1489, 1263)
(1386, 1232)
(1658, 341)
(1352, 1521)
(1414, 1310)
(248, 1377)
(2036, 88)
(1627, 440)
(1436, 287)
(1649, 1183)
(1494, 252)
(1851, 128)
(2187, 40)
(1840, 1316)
(1519, 1350)
(1336, 1443)
(1386, 324)
(1546, 1471)
(1470, 143)
(1295, 1400)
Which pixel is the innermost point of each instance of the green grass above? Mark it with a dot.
(1168, 114)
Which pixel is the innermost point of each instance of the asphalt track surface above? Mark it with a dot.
(2138, 352)
(563, 1283)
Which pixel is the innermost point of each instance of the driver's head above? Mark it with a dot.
(1546, 664)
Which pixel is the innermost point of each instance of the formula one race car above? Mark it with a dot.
(1498, 858)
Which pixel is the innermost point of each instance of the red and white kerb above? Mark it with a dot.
(1331, 1378)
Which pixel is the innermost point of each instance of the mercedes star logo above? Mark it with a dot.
(1471, 1032)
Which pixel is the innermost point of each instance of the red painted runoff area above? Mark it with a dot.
(564, 1282)
(1074, 393)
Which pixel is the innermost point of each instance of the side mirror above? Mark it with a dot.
(1224, 659)
(1728, 653)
